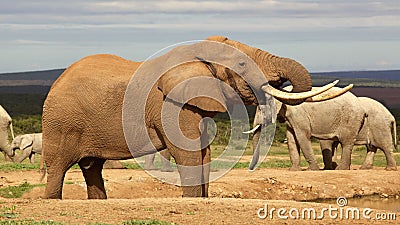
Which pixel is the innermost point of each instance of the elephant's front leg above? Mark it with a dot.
(294, 149)
(327, 153)
(194, 173)
(191, 153)
(305, 144)
(346, 156)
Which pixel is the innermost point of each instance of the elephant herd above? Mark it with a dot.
(28, 144)
(104, 107)
(347, 120)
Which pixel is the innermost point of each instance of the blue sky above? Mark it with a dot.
(325, 35)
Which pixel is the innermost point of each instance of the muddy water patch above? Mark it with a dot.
(370, 201)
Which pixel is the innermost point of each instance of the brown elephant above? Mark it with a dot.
(84, 110)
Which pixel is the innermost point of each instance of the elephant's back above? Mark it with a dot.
(95, 70)
(376, 110)
(91, 89)
(334, 117)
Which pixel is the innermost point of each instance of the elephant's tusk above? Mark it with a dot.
(296, 96)
(252, 130)
(329, 95)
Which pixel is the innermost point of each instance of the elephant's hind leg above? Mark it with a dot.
(390, 160)
(369, 159)
(56, 149)
(91, 169)
(55, 179)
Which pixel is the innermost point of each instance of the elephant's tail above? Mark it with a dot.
(42, 169)
(395, 133)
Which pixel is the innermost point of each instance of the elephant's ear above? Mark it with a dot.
(26, 141)
(194, 79)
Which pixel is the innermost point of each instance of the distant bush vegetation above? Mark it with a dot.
(26, 124)
(319, 80)
(26, 111)
(22, 104)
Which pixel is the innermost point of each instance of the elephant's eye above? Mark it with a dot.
(242, 64)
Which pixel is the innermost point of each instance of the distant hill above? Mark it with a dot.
(365, 83)
(375, 75)
(33, 75)
(381, 75)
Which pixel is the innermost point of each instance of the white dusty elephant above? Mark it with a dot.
(86, 116)
(5, 123)
(165, 157)
(29, 144)
(376, 133)
(338, 119)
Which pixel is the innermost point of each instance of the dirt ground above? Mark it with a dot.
(234, 199)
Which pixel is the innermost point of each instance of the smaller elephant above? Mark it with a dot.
(165, 159)
(337, 119)
(376, 133)
(30, 144)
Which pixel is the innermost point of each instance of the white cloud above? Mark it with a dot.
(384, 63)
(36, 42)
(93, 26)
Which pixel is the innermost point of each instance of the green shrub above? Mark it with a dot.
(24, 124)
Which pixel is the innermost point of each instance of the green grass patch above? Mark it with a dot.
(29, 222)
(17, 191)
(131, 165)
(9, 166)
(8, 212)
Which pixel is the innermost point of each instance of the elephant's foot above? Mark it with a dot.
(295, 168)
(334, 165)
(328, 168)
(366, 167)
(95, 192)
(313, 167)
(194, 191)
(391, 168)
(343, 167)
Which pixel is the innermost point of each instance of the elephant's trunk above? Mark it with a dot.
(279, 70)
(256, 148)
(5, 144)
(266, 114)
(296, 73)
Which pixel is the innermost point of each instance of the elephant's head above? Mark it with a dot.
(275, 71)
